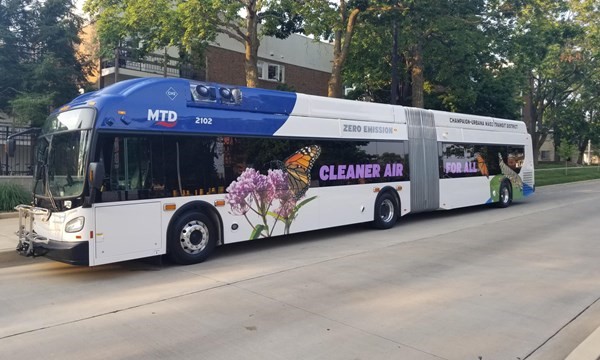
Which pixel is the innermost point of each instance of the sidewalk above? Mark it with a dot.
(8, 226)
(589, 349)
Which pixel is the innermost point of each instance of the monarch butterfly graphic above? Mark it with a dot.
(482, 166)
(297, 167)
(514, 178)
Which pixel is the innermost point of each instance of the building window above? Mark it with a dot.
(545, 155)
(271, 72)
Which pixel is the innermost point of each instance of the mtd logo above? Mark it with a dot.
(166, 118)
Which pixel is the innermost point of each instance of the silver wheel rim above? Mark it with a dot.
(505, 195)
(194, 237)
(386, 210)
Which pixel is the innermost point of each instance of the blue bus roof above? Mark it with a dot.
(180, 105)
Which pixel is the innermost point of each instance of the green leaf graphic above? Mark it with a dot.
(256, 232)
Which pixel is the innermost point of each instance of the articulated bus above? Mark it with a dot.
(148, 167)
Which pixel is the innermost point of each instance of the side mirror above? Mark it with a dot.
(96, 175)
(12, 147)
(38, 172)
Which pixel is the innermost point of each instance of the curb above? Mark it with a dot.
(589, 349)
(567, 183)
(9, 215)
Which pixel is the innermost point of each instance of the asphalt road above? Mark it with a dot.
(477, 283)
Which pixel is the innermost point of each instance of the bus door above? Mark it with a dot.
(423, 159)
(128, 220)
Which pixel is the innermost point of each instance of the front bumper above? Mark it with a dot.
(74, 253)
(32, 244)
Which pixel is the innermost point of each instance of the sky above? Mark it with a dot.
(79, 6)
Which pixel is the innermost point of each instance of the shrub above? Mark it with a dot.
(12, 195)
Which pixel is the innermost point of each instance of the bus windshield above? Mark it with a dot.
(61, 154)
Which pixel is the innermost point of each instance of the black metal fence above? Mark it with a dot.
(22, 162)
(154, 63)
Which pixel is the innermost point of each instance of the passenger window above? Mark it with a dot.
(130, 164)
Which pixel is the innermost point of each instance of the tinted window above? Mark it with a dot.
(159, 166)
(464, 160)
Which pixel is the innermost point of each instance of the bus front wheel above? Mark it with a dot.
(386, 211)
(505, 196)
(192, 238)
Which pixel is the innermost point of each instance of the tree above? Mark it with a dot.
(547, 52)
(572, 126)
(40, 68)
(374, 66)
(448, 45)
(456, 71)
(190, 25)
(15, 23)
(586, 13)
(565, 151)
(335, 22)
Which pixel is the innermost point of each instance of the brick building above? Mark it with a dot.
(297, 63)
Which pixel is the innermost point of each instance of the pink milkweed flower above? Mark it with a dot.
(287, 202)
(239, 192)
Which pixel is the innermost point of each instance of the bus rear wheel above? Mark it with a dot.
(192, 238)
(505, 196)
(386, 211)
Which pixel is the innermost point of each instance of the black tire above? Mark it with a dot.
(192, 238)
(386, 211)
(505, 195)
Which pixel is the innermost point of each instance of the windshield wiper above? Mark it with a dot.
(48, 191)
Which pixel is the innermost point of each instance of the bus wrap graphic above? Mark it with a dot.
(360, 171)
(518, 188)
(273, 196)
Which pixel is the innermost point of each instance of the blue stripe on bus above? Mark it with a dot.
(211, 122)
(149, 105)
(527, 190)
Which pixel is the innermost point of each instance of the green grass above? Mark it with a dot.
(12, 195)
(554, 173)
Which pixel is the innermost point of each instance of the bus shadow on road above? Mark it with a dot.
(323, 235)
(12, 259)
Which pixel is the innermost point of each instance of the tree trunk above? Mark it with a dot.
(417, 76)
(334, 85)
(530, 118)
(581, 150)
(251, 46)
(395, 61)
(405, 86)
(341, 48)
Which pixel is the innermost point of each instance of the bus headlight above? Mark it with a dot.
(75, 225)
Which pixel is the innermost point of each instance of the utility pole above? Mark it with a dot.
(165, 62)
(117, 64)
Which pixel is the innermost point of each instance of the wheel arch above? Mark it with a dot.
(203, 207)
(384, 221)
(390, 190)
(506, 181)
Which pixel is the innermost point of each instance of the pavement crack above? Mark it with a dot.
(561, 329)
